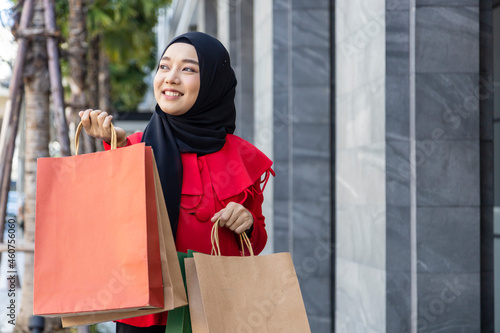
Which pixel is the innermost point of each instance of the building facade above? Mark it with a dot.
(381, 120)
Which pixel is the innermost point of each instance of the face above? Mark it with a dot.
(177, 82)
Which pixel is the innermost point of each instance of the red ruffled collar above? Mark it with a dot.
(233, 169)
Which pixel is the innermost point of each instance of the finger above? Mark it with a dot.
(217, 215)
(86, 119)
(241, 229)
(247, 224)
(238, 221)
(93, 117)
(80, 114)
(226, 219)
(100, 121)
(242, 219)
(86, 113)
(107, 122)
(230, 214)
(100, 117)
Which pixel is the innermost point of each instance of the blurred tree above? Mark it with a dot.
(127, 40)
(77, 51)
(120, 52)
(77, 62)
(122, 43)
(36, 99)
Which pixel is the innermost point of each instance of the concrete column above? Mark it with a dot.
(360, 151)
(207, 17)
(223, 10)
(262, 91)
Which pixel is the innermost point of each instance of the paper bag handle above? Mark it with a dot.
(79, 130)
(216, 245)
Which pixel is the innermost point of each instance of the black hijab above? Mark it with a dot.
(202, 129)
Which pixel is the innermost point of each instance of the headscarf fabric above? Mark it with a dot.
(203, 128)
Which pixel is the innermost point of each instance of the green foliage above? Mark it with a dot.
(126, 28)
(127, 86)
(62, 16)
(127, 36)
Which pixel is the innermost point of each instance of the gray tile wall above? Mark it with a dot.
(282, 117)
(241, 51)
(452, 129)
(453, 139)
(397, 122)
(451, 192)
(302, 149)
(447, 166)
(389, 277)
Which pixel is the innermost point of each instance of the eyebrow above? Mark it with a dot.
(190, 61)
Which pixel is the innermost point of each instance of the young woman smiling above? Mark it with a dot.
(206, 172)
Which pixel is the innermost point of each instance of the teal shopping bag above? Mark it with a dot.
(178, 320)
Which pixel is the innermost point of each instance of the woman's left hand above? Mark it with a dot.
(235, 217)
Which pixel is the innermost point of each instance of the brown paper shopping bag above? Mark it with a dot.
(174, 292)
(244, 294)
(96, 239)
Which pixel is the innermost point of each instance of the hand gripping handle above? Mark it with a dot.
(79, 130)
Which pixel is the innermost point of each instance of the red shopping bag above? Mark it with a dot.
(96, 242)
(173, 285)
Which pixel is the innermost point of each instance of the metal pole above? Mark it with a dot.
(55, 78)
(4, 194)
(13, 107)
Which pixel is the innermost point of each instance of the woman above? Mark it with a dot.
(207, 174)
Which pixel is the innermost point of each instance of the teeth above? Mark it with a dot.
(171, 93)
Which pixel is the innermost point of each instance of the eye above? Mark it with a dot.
(163, 67)
(189, 69)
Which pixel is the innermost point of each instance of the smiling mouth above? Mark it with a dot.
(172, 93)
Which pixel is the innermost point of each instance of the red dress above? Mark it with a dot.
(236, 173)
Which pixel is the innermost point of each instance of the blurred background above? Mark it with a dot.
(380, 117)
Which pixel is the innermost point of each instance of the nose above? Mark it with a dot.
(172, 77)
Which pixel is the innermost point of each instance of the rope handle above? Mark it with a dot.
(79, 131)
(216, 245)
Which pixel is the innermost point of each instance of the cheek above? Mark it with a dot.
(194, 87)
(158, 79)
(156, 85)
(193, 81)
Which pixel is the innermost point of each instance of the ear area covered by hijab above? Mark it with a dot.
(203, 128)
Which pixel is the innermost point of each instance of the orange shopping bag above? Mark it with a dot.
(97, 245)
(173, 284)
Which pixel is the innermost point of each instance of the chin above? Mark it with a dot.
(173, 112)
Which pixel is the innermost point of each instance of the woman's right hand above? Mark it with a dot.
(97, 124)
